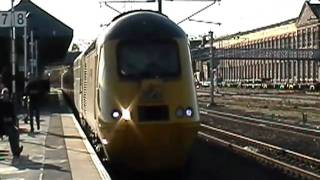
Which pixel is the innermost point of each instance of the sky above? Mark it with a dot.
(86, 16)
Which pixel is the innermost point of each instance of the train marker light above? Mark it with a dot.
(126, 114)
(189, 112)
(104, 141)
(116, 114)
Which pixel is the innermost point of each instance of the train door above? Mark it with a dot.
(80, 86)
(84, 88)
(81, 89)
(99, 73)
(91, 88)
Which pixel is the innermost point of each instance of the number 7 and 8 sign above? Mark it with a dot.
(19, 19)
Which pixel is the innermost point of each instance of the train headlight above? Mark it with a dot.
(126, 114)
(189, 112)
(116, 114)
(179, 112)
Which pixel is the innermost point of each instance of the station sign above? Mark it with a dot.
(19, 19)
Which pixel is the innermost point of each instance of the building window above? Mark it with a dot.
(314, 43)
(266, 45)
(294, 45)
(303, 39)
(309, 37)
(269, 44)
(298, 40)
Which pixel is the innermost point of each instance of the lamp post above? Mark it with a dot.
(213, 70)
(31, 43)
(13, 50)
(160, 6)
(25, 49)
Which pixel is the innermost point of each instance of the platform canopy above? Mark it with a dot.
(53, 36)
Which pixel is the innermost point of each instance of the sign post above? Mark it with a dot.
(212, 69)
(12, 19)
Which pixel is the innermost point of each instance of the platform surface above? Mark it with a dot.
(58, 150)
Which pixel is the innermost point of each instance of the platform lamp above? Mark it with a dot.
(13, 51)
(213, 70)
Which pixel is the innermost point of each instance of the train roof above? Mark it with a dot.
(142, 24)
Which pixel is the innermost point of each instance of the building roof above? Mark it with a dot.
(53, 36)
(289, 21)
(315, 9)
(70, 57)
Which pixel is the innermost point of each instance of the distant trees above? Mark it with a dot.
(75, 47)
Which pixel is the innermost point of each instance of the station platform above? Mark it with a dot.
(58, 150)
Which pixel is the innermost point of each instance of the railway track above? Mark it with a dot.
(291, 163)
(226, 91)
(310, 99)
(304, 131)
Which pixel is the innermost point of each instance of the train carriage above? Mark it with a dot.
(134, 91)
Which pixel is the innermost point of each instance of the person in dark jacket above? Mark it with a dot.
(33, 106)
(8, 124)
(35, 91)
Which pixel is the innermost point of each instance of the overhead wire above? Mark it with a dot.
(206, 7)
(106, 4)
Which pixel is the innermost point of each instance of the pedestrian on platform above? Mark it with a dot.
(33, 104)
(8, 123)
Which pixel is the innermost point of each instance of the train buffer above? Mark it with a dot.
(59, 150)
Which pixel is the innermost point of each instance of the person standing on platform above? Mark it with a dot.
(34, 95)
(8, 123)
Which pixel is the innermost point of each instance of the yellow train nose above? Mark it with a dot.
(152, 146)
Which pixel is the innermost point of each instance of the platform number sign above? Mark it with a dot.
(5, 19)
(19, 19)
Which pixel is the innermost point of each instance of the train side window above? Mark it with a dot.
(101, 74)
(101, 68)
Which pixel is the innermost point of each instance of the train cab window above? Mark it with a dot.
(154, 59)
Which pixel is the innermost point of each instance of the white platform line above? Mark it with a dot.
(102, 171)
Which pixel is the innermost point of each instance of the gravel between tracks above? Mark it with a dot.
(284, 107)
(294, 142)
(289, 110)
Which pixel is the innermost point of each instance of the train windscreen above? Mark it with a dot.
(155, 59)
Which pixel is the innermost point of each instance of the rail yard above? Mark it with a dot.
(239, 121)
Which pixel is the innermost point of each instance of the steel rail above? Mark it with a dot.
(298, 161)
(308, 100)
(263, 95)
(305, 131)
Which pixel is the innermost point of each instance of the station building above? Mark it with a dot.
(48, 40)
(301, 32)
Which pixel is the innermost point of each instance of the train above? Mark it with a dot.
(133, 90)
